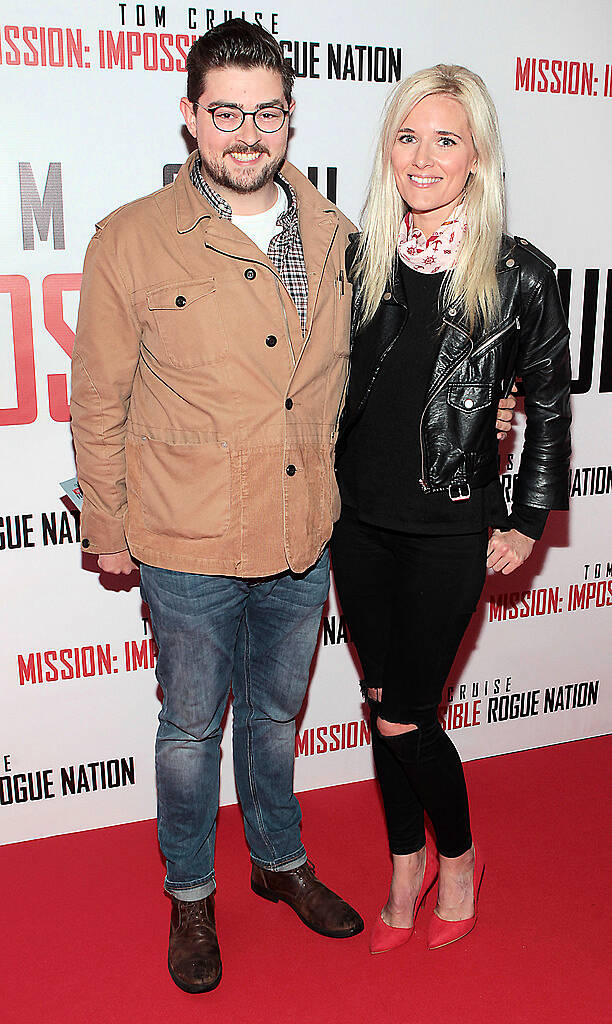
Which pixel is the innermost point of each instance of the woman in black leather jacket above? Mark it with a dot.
(448, 310)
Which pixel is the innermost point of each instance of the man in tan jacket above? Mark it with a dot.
(208, 371)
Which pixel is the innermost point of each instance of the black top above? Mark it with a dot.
(379, 470)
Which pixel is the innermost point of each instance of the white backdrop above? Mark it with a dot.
(79, 696)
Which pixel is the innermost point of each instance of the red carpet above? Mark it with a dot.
(85, 924)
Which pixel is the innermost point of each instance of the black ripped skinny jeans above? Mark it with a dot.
(408, 599)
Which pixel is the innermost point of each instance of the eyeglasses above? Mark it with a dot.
(229, 119)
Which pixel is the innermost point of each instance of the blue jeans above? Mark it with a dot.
(260, 635)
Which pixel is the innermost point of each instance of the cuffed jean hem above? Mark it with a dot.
(190, 893)
(289, 864)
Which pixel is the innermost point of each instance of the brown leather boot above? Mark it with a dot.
(315, 904)
(194, 960)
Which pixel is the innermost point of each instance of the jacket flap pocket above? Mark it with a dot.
(469, 397)
(179, 295)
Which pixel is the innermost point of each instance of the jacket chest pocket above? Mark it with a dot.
(342, 318)
(336, 284)
(186, 318)
(469, 397)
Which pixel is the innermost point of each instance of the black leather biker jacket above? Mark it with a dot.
(458, 444)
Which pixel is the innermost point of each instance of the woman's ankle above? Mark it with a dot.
(408, 868)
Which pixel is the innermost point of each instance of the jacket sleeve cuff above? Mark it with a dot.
(528, 520)
(101, 533)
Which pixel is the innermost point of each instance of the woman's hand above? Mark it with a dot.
(508, 550)
(505, 412)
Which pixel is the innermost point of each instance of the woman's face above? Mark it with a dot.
(432, 156)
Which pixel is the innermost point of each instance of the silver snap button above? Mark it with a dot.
(524, 241)
(469, 402)
(452, 311)
(509, 263)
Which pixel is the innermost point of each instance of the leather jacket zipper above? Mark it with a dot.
(489, 341)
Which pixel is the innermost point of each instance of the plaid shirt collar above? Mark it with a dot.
(218, 204)
(289, 220)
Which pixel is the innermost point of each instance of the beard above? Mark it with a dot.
(241, 180)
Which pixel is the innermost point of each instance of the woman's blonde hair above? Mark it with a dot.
(473, 283)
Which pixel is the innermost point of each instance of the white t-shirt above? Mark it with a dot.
(262, 227)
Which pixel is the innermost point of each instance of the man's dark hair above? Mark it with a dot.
(240, 43)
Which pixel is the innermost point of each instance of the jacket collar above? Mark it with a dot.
(190, 205)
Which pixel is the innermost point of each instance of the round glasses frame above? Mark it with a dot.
(260, 125)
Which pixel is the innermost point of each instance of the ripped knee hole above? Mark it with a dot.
(394, 728)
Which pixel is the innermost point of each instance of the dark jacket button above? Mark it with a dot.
(180, 301)
(290, 471)
(85, 543)
(250, 274)
(271, 341)
(288, 403)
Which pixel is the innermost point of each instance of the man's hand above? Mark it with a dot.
(117, 563)
(508, 550)
(505, 412)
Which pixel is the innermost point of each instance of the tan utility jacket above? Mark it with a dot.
(203, 421)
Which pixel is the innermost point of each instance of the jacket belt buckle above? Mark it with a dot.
(459, 491)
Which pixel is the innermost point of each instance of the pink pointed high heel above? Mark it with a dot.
(383, 936)
(442, 933)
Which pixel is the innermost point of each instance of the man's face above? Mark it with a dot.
(246, 160)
